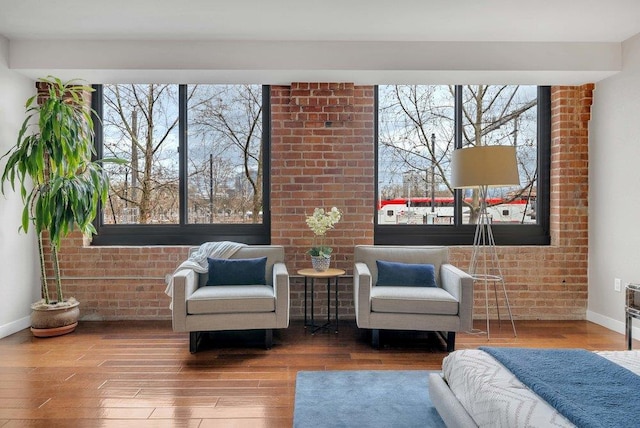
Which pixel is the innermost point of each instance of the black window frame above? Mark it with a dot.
(462, 234)
(184, 233)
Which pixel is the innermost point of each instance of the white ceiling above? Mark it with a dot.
(280, 41)
(314, 20)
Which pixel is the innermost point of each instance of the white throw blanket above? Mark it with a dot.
(197, 261)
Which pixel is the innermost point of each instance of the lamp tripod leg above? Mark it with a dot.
(486, 304)
(485, 254)
(506, 300)
(495, 295)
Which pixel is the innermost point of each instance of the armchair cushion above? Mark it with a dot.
(413, 300)
(405, 274)
(237, 271)
(224, 299)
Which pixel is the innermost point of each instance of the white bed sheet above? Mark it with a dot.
(494, 397)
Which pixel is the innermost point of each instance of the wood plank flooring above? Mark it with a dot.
(141, 374)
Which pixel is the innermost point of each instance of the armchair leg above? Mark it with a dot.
(268, 338)
(451, 341)
(195, 338)
(375, 338)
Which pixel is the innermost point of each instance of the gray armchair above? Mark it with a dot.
(198, 308)
(448, 307)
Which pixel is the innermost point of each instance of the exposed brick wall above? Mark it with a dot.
(571, 111)
(323, 155)
(116, 282)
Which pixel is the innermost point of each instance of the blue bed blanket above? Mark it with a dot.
(586, 388)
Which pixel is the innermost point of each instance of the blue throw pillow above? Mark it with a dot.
(406, 274)
(237, 271)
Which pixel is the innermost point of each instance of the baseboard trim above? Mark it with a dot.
(612, 324)
(15, 326)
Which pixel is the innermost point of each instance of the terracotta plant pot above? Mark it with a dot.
(55, 319)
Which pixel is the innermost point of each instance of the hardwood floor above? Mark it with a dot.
(141, 374)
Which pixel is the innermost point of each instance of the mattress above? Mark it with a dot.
(494, 397)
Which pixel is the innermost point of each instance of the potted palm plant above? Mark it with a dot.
(61, 185)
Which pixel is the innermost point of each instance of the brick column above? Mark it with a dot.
(323, 156)
(570, 115)
(322, 145)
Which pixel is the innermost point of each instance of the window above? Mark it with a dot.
(419, 126)
(196, 161)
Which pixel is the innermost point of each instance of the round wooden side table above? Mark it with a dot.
(328, 274)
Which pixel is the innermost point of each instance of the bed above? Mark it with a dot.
(476, 390)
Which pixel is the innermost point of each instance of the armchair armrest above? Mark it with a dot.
(362, 294)
(281, 292)
(460, 285)
(185, 282)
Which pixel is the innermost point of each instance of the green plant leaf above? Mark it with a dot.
(59, 184)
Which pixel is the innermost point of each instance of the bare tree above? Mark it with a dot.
(494, 115)
(224, 133)
(141, 125)
(229, 119)
(417, 131)
(209, 190)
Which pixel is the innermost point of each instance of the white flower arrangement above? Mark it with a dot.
(320, 222)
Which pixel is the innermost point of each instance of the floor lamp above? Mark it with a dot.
(479, 168)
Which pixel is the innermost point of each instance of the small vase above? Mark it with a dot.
(320, 263)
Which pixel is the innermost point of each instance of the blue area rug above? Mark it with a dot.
(364, 398)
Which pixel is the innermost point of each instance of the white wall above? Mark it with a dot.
(614, 190)
(19, 272)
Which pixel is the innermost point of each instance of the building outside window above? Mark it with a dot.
(196, 160)
(419, 126)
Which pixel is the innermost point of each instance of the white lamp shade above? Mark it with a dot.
(491, 166)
